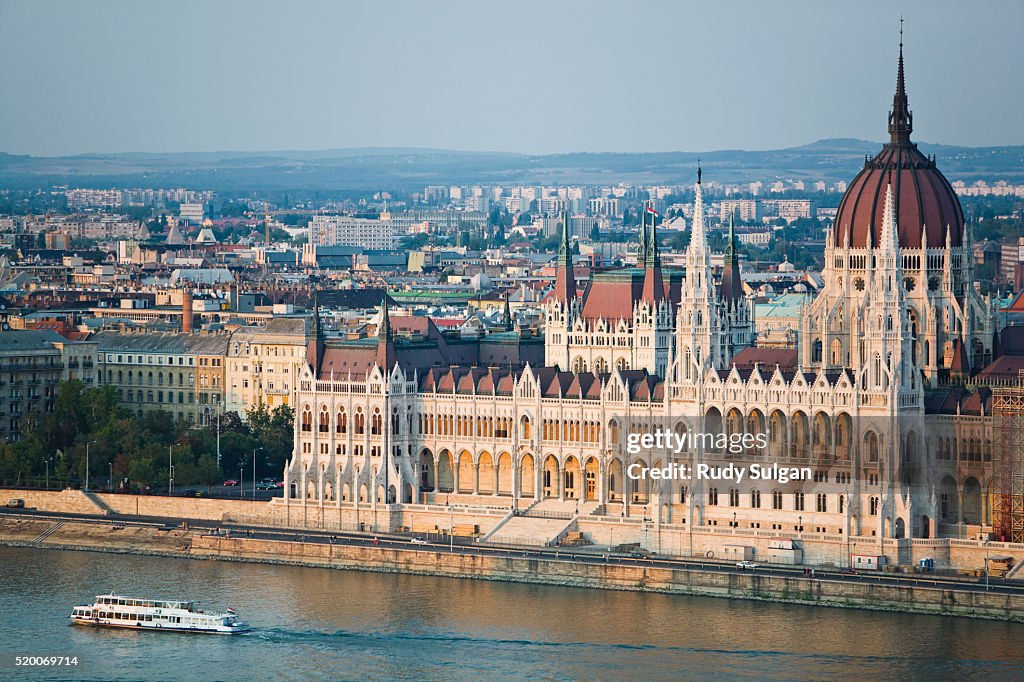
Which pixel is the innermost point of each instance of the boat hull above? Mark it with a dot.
(92, 622)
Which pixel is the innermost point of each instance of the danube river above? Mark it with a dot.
(315, 623)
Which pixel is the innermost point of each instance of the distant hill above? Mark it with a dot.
(403, 168)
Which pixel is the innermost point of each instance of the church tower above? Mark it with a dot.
(700, 343)
(652, 313)
(561, 307)
(737, 307)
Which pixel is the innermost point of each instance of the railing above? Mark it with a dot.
(542, 514)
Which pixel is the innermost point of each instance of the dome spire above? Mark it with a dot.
(901, 119)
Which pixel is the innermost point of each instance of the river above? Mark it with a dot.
(313, 623)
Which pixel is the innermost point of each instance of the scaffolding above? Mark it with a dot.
(1008, 480)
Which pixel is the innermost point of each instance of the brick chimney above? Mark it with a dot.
(187, 318)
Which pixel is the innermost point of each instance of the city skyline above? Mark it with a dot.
(228, 77)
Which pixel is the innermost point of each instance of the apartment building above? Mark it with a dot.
(30, 369)
(332, 230)
(262, 364)
(182, 374)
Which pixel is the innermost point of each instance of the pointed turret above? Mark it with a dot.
(386, 357)
(316, 345)
(651, 256)
(889, 241)
(509, 320)
(732, 284)
(565, 277)
(698, 240)
(901, 119)
(654, 281)
(959, 366)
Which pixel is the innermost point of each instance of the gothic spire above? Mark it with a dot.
(901, 119)
(654, 281)
(386, 356)
(315, 347)
(732, 284)
(565, 277)
(890, 230)
(384, 328)
(651, 256)
(731, 256)
(509, 321)
(698, 240)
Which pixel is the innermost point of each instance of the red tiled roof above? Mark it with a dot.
(766, 358)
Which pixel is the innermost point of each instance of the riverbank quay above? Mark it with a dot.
(551, 567)
(496, 524)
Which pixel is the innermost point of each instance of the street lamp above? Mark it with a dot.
(170, 469)
(254, 471)
(986, 565)
(87, 444)
(241, 482)
(110, 480)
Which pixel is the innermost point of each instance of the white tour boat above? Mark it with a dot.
(115, 611)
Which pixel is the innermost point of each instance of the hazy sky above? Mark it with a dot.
(509, 75)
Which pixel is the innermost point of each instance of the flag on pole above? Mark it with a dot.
(650, 209)
(231, 610)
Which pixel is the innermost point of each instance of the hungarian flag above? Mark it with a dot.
(231, 610)
(650, 209)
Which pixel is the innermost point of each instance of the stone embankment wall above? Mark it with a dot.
(677, 540)
(740, 585)
(153, 540)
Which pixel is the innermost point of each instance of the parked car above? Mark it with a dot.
(269, 479)
(16, 504)
(746, 565)
(849, 571)
(418, 541)
(192, 492)
(231, 481)
(263, 485)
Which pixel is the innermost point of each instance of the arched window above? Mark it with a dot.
(360, 421)
(307, 419)
(377, 423)
(341, 425)
(325, 420)
(755, 499)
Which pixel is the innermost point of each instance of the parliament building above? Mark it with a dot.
(875, 400)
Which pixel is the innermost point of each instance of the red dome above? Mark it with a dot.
(924, 198)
